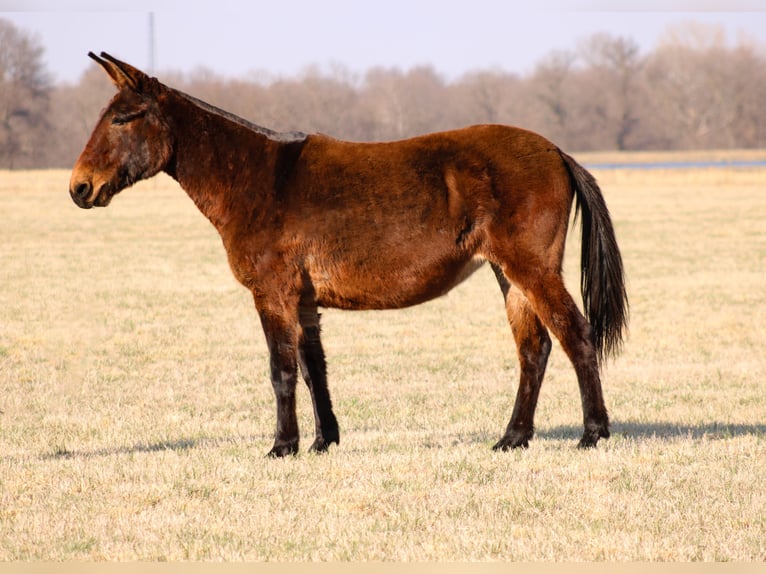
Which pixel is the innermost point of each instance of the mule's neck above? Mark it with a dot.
(224, 163)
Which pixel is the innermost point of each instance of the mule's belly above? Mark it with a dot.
(388, 286)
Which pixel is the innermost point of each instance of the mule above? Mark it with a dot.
(310, 222)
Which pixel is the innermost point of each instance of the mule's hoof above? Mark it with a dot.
(590, 437)
(513, 441)
(587, 442)
(320, 445)
(283, 450)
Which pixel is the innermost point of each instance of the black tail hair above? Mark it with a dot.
(602, 279)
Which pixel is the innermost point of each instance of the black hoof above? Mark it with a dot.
(591, 435)
(322, 443)
(513, 440)
(587, 442)
(283, 450)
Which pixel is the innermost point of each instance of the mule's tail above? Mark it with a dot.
(602, 279)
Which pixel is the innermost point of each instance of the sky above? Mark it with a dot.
(263, 40)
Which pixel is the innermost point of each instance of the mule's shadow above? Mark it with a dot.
(621, 429)
(661, 430)
(178, 445)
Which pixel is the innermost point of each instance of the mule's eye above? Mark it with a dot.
(122, 119)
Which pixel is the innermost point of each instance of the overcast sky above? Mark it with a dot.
(283, 37)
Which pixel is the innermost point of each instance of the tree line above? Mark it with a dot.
(694, 90)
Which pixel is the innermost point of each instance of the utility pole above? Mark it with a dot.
(151, 43)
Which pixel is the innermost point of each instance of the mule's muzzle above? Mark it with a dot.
(81, 193)
(86, 194)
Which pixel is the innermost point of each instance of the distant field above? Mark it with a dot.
(136, 407)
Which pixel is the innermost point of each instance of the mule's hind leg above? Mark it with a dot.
(559, 312)
(551, 301)
(533, 346)
(314, 368)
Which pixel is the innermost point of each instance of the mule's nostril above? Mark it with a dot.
(82, 190)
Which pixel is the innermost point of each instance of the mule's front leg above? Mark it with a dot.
(282, 339)
(283, 379)
(314, 368)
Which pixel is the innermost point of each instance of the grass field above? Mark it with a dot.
(136, 407)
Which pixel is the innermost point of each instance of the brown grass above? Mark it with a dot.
(136, 409)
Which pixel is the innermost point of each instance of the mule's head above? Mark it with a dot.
(131, 142)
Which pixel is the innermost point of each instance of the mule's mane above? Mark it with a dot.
(271, 134)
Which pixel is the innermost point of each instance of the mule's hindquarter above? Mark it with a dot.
(381, 226)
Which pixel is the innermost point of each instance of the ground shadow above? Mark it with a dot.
(623, 429)
(178, 445)
(662, 430)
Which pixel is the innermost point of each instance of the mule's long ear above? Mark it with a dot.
(123, 75)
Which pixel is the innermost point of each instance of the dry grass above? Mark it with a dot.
(137, 411)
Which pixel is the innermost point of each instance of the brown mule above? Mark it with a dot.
(309, 221)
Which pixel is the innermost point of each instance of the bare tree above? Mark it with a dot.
(24, 92)
(614, 67)
(74, 110)
(398, 105)
(316, 102)
(551, 85)
(705, 91)
(488, 97)
(748, 84)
